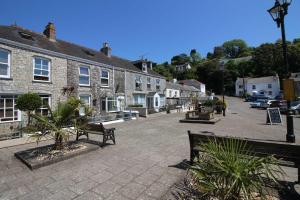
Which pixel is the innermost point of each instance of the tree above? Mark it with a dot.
(54, 125)
(29, 102)
(235, 48)
(218, 52)
(195, 56)
(180, 59)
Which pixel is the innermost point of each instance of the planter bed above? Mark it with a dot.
(43, 156)
(211, 121)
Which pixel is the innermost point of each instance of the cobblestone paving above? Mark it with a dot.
(139, 167)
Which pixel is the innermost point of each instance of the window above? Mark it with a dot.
(269, 86)
(41, 69)
(144, 67)
(8, 110)
(139, 99)
(148, 83)
(4, 64)
(240, 86)
(253, 87)
(104, 78)
(156, 101)
(170, 93)
(86, 100)
(138, 83)
(270, 93)
(109, 104)
(157, 84)
(162, 101)
(175, 94)
(46, 101)
(84, 76)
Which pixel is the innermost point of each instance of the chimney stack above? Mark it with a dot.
(50, 31)
(106, 49)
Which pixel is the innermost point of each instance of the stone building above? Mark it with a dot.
(43, 64)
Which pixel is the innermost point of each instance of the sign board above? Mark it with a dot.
(288, 89)
(273, 116)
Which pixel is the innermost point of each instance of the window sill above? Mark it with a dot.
(7, 79)
(47, 82)
(3, 122)
(88, 86)
(104, 86)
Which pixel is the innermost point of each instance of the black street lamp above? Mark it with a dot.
(222, 68)
(278, 12)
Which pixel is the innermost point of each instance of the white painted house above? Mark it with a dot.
(182, 68)
(268, 86)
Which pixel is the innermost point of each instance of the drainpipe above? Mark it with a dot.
(125, 89)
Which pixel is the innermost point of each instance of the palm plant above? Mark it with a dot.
(55, 124)
(229, 170)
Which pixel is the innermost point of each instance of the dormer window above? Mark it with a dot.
(138, 83)
(26, 36)
(144, 67)
(87, 52)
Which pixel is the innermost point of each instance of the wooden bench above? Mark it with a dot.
(288, 154)
(97, 129)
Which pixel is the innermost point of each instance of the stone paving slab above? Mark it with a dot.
(141, 166)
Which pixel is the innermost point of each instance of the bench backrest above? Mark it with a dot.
(95, 127)
(285, 151)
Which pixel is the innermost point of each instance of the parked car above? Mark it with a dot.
(256, 97)
(257, 104)
(295, 107)
(267, 103)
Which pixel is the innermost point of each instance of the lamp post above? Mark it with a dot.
(278, 12)
(222, 66)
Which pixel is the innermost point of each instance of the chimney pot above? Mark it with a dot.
(50, 31)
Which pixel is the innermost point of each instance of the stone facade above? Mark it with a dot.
(21, 79)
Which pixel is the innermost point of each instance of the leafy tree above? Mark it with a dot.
(195, 56)
(180, 59)
(235, 48)
(29, 102)
(218, 52)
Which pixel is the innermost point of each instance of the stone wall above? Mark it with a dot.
(95, 90)
(21, 80)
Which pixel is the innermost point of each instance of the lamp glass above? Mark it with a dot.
(275, 11)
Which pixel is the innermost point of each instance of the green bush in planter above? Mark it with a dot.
(208, 103)
(229, 170)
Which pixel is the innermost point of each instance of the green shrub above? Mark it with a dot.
(28, 102)
(229, 170)
(221, 103)
(208, 103)
(135, 106)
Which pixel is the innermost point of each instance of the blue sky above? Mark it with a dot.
(158, 29)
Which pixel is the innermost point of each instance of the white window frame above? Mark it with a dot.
(148, 82)
(8, 64)
(86, 95)
(157, 84)
(49, 69)
(14, 97)
(105, 78)
(138, 80)
(89, 75)
(82, 108)
(44, 107)
(144, 67)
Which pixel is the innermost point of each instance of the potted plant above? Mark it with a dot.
(168, 110)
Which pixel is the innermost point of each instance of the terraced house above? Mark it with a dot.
(41, 63)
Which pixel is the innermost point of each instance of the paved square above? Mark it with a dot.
(140, 166)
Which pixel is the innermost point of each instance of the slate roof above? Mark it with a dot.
(177, 86)
(191, 82)
(266, 79)
(41, 41)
